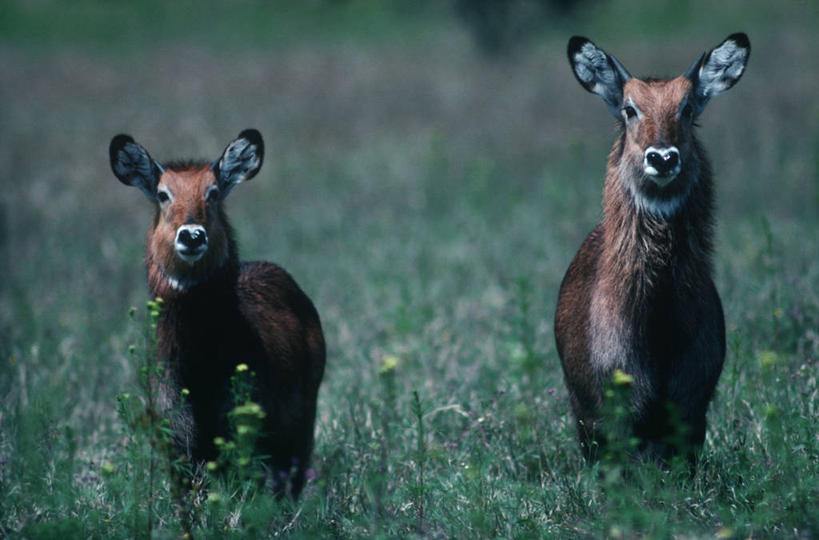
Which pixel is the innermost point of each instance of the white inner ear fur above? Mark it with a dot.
(592, 65)
(239, 159)
(724, 66)
(134, 163)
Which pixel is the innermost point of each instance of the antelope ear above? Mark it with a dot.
(598, 72)
(719, 69)
(240, 161)
(133, 165)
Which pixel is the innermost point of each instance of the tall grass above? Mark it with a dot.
(429, 201)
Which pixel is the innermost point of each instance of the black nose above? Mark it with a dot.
(192, 238)
(663, 162)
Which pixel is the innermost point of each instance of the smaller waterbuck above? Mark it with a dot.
(638, 296)
(220, 313)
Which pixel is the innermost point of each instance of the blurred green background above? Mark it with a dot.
(431, 168)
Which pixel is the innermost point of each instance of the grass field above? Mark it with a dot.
(428, 198)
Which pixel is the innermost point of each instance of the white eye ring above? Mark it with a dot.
(630, 110)
(163, 195)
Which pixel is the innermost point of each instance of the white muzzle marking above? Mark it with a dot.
(662, 164)
(191, 243)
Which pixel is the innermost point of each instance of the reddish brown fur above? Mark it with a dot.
(660, 101)
(638, 295)
(188, 184)
(221, 313)
(642, 285)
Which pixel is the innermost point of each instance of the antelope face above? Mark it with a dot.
(189, 237)
(189, 229)
(658, 115)
(658, 120)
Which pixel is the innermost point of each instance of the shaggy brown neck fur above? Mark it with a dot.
(648, 257)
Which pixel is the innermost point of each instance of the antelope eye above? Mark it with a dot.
(163, 197)
(212, 194)
(629, 111)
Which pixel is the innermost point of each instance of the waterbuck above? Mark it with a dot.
(220, 313)
(638, 296)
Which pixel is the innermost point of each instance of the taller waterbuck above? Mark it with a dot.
(638, 295)
(220, 313)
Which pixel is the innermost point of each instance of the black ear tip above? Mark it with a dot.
(741, 39)
(117, 144)
(575, 43)
(119, 141)
(253, 136)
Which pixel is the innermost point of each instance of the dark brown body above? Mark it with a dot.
(254, 314)
(638, 296)
(219, 313)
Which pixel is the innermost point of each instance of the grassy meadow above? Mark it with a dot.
(428, 197)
